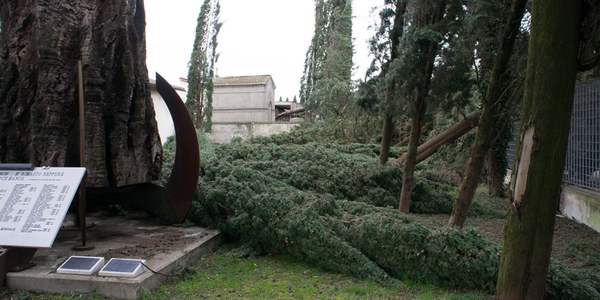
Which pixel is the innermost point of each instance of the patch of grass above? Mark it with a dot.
(228, 276)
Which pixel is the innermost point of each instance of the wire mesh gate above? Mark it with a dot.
(582, 167)
(582, 164)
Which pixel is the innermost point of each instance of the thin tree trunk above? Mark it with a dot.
(492, 107)
(408, 179)
(386, 139)
(549, 88)
(41, 44)
(388, 125)
(428, 13)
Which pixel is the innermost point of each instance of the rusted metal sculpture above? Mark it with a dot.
(183, 180)
(173, 202)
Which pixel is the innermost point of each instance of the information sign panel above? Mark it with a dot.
(33, 204)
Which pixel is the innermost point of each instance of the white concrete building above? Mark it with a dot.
(243, 106)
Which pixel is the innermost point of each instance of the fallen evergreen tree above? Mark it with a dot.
(317, 203)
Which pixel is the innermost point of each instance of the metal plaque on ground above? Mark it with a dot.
(33, 204)
(123, 267)
(81, 265)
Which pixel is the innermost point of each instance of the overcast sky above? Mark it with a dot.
(258, 37)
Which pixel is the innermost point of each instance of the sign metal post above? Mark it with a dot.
(82, 203)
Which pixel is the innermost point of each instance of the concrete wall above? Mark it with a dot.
(223, 133)
(243, 104)
(582, 205)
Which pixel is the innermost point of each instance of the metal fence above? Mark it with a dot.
(582, 167)
(582, 164)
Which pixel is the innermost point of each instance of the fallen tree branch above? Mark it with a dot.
(290, 112)
(451, 134)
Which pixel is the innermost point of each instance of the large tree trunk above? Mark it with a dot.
(41, 42)
(549, 86)
(492, 107)
(428, 15)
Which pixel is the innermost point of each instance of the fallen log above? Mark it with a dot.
(290, 112)
(451, 134)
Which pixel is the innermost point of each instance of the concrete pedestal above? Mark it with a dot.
(165, 249)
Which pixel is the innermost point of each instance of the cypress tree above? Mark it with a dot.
(327, 80)
(316, 52)
(549, 87)
(201, 66)
(333, 90)
(415, 66)
(214, 43)
(384, 47)
(492, 108)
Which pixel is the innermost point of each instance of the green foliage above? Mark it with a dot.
(564, 283)
(214, 57)
(328, 205)
(207, 150)
(344, 236)
(588, 251)
(346, 172)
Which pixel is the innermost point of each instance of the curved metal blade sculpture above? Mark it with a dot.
(176, 200)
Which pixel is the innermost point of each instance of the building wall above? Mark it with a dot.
(581, 205)
(238, 111)
(243, 104)
(270, 88)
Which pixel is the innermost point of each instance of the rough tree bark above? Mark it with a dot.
(428, 13)
(549, 86)
(492, 107)
(388, 122)
(41, 42)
